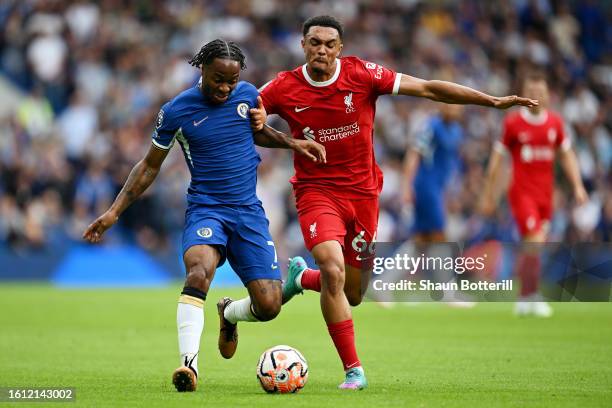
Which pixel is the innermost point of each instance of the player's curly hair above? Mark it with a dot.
(218, 49)
(323, 21)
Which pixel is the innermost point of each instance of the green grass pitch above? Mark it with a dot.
(118, 348)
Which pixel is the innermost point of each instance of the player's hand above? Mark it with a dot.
(580, 196)
(258, 116)
(96, 229)
(506, 102)
(311, 149)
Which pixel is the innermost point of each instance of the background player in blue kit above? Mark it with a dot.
(428, 166)
(224, 217)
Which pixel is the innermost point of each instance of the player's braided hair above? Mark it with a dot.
(218, 49)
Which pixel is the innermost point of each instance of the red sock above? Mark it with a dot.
(528, 271)
(311, 279)
(343, 335)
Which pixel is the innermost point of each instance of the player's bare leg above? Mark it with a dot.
(528, 271)
(334, 304)
(356, 284)
(337, 311)
(262, 304)
(200, 264)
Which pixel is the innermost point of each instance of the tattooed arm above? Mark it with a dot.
(140, 178)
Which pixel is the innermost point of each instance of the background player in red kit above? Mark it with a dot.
(532, 137)
(333, 100)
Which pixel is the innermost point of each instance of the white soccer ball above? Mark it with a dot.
(282, 369)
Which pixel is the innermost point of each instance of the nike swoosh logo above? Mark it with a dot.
(189, 361)
(301, 109)
(200, 121)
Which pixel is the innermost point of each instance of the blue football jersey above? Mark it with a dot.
(217, 142)
(438, 145)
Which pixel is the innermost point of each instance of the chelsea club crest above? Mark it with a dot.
(204, 232)
(242, 109)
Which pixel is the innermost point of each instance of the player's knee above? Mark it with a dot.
(268, 309)
(199, 272)
(332, 276)
(198, 277)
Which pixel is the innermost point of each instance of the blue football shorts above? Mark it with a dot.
(241, 235)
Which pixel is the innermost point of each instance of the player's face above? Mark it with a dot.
(536, 89)
(321, 46)
(220, 78)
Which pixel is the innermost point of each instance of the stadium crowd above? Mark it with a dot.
(91, 76)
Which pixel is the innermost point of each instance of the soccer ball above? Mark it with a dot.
(282, 369)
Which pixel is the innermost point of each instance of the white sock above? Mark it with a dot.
(239, 311)
(190, 323)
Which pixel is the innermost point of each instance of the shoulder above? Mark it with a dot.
(353, 61)
(245, 86)
(371, 74)
(512, 118)
(355, 65)
(247, 89)
(283, 79)
(185, 98)
(555, 117)
(438, 127)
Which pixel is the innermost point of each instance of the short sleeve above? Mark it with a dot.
(269, 95)
(165, 128)
(384, 81)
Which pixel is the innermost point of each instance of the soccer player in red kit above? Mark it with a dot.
(333, 100)
(532, 136)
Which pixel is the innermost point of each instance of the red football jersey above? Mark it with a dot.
(532, 142)
(338, 113)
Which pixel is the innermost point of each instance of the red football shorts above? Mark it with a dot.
(351, 222)
(530, 213)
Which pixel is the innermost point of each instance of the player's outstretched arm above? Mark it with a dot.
(488, 199)
(140, 178)
(450, 92)
(272, 138)
(569, 163)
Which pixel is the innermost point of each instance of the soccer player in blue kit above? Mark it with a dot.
(224, 217)
(429, 163)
